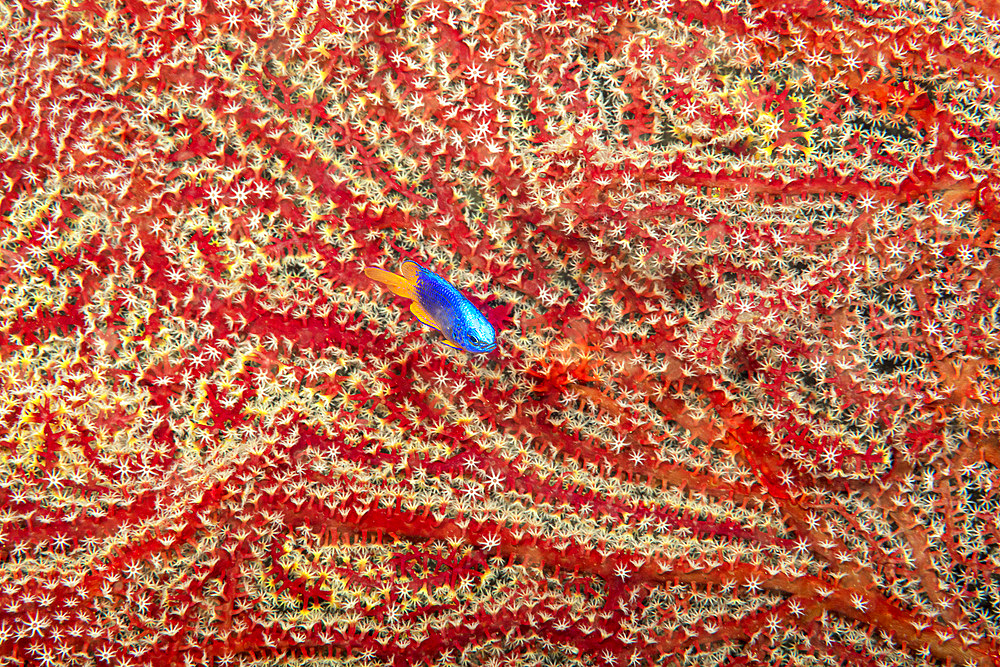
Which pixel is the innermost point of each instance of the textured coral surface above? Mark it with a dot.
(742, 258)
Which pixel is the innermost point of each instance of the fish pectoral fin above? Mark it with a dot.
(398, 284)
(450, 344)
(422, 315)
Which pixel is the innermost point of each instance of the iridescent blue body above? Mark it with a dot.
(438, 304)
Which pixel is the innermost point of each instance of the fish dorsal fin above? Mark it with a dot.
(423, 315)
(400, 285)
(409, 270)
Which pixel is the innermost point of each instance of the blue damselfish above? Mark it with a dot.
(438, 304)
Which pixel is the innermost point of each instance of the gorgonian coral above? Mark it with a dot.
(741, 256)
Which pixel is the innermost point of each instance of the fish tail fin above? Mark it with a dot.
(403, 286)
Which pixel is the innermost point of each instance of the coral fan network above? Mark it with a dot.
(741, 257)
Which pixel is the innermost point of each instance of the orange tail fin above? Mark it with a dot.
(400, 285)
